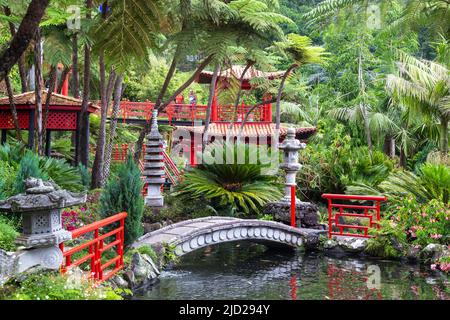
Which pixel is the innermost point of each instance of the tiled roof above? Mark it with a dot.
(250, 130)
(29, 98)
(236, 72)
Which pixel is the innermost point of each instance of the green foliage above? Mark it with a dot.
(232, 187)
(28, 167)
(169, 254)
(8, 174)
(383, 243)
(62, 173)
(122, 193)
(432, 181)
(423, 223)
(8, 235)
(84, 176)
(335, 163)
(53, 286)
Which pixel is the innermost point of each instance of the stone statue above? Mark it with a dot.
(40, 207)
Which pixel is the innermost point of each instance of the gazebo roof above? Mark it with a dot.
(29, 99)
(251, 129)
(236, 71)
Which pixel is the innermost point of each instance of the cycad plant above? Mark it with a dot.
(237, 187)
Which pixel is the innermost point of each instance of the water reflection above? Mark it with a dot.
(243, 270)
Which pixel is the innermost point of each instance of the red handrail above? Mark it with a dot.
(334, 217)
(97, 247)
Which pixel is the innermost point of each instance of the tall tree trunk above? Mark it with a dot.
(212, 94)
(51, 88)
(280, 94)
(75, 78)
(23, 36)
(118, 91)
(389, 146)
(366, 126)
(239, 94)
(184, 86)
(362, 90)
(403, 157)
(21, 62)
(83, 144)
(38, 92)
(105, 91)
(12, 106)
(444, 135)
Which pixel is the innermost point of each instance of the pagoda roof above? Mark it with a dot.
(236, 71)
(251, 129)
(29, 99)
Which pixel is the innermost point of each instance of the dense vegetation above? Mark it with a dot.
(372, 78)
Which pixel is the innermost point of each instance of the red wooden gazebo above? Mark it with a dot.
(64, 113)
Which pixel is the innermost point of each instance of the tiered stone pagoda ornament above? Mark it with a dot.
(291, 166)
(306, 213)
(40, 207)
(154, 165)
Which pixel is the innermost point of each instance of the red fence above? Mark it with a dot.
(337, 220)
(187, 112)
(100, 271)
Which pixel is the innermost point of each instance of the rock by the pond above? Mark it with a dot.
(413, 253)
(434, 252)
(345, 245)
(150, 227)
(306, 212)
(141, 272)
(119, 282)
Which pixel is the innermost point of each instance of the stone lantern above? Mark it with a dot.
(42, 230)
(154, 165)
(290, 165)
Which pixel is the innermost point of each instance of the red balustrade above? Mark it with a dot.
(97, 246)
(187, 112)
(369, 212)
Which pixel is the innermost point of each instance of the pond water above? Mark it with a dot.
(243, 270)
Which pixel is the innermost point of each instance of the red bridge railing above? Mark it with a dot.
(187, 112)
(337, 216)
(99, 270)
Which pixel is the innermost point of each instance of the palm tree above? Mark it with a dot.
(423, 87)
(432, 13)
(300, 50)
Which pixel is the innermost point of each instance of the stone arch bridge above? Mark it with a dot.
(190, 235)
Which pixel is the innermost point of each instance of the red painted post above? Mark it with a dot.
(330, 217)
(293, 206)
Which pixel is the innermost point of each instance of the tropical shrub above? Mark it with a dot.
(61, 173)
(8, 235)
(331, 166)
(28, 167)
(123, 192)
(8, 174)
(54, 286)
(432, 181)
(231, 188)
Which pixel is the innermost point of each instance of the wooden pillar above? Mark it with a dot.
(48, 144)
(31, 126)
(4, 135)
